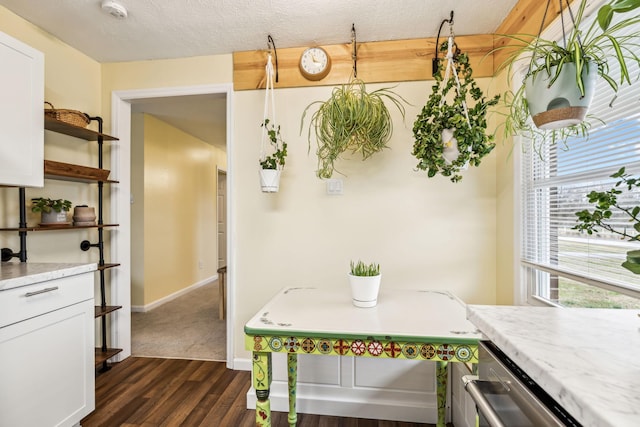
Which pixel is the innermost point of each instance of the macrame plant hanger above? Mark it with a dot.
(450, 68)
(268, 99)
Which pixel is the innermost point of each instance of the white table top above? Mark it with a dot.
(16, 274)
(587, 359)
(401, 314)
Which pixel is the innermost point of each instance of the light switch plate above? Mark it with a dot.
(334, 187)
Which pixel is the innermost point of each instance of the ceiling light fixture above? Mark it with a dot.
(114, 9)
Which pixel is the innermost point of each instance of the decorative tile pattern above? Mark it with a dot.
(370, 347)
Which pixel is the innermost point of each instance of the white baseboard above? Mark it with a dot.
(158, 303)
(242, 364)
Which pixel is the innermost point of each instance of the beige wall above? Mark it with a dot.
(72, 80)
(506, 183)
(425, 233)
(178, 215)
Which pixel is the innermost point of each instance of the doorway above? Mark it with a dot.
(121, 125)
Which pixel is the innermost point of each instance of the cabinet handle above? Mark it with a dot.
(41, 291)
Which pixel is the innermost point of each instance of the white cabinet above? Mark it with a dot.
(21, 114)
(47, 353)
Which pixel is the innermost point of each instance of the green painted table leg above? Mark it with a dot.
(262, 383)
(441, 392)
(292, 376)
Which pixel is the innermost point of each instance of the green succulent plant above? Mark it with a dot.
(46, 205)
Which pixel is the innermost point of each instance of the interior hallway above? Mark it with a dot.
(187, 327)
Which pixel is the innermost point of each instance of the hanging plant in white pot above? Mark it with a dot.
(271, 165)
(561, 77)
(449, 134)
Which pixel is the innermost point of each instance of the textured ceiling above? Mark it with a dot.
(159, 29)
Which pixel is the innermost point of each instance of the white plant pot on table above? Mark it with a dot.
(364, 290)
(270, 180)
(561, 104)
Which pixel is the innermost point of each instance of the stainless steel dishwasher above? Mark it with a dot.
(505, 396)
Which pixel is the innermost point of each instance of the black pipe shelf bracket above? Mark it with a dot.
(6, 254)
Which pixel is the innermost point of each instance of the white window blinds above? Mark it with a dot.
(556, 182)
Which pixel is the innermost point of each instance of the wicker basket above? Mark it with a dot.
(72, 117)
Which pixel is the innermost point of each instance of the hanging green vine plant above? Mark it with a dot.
(352, 119)
(449, 134)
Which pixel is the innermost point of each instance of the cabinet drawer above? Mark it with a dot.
(23, 303)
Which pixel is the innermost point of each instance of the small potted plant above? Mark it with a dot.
(52, 211)
(606, 203)
(364, 280)
(450, 133)
(560, 80)
(271, 165)
(352, 119)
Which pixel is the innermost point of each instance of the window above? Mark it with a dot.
(559, 265)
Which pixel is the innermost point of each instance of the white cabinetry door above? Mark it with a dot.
(47, 374)
(21, 114)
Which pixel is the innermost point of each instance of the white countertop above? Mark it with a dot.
(588, 360)
(16, 274)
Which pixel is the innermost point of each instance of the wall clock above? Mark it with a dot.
(315, 63)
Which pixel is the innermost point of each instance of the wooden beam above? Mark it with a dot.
(385, 61)
(524, 19)
(399, 60)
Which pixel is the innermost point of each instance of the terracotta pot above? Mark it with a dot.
(84, 215)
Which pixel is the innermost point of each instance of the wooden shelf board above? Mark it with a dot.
(106, 266)
(75, 131)
(76, 173)
(57, 227)
(101, 311)
(103, 356)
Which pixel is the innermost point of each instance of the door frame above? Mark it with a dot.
(121, 206)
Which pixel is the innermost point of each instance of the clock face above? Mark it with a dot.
(315, 63)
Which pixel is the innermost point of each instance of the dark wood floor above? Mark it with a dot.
(147, 392)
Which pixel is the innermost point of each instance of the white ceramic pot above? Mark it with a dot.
(53, 217)
(451, 151)
(562, 104)
(364, 290)
(270, 180)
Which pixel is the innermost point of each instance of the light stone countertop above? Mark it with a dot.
(588, 360)
(16, 274)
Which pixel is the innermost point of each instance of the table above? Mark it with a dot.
(406, 324)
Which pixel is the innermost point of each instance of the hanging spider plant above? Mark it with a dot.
(584, 54)
(352, 119)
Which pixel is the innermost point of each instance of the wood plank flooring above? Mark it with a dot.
(150, 392)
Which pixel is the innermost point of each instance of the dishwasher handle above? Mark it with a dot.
(471, 386)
